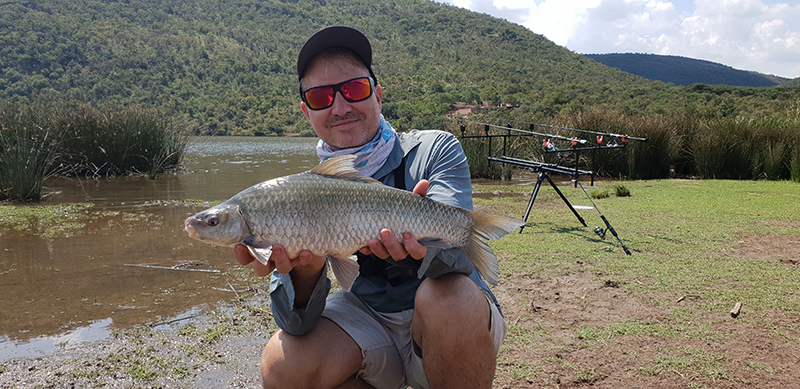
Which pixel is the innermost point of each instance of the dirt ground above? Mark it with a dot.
(750, 352)
(545, 314)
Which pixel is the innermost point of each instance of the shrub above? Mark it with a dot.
(621, 190)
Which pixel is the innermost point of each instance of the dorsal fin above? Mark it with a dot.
(342, 167)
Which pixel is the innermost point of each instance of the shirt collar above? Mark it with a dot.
(403, 144)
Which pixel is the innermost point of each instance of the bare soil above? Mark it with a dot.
(550, 343)
(758, 351)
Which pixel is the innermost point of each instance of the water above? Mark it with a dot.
(65, 278)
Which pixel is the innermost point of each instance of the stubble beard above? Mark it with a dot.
(363, 137)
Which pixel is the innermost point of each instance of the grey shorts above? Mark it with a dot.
(388, 357)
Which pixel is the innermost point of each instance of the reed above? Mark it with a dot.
(479, 166)
(28, 147)
(119, 141)
(36, 142)
(794, 164)
(677, 145)
(774, 142)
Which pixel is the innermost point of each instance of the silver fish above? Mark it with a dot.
(334, 210)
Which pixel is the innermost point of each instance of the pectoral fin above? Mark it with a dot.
(261, 251)
(262, 255)
(345, 270)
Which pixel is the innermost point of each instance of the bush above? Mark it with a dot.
(599, 194)
(621, 190)
(82, 141)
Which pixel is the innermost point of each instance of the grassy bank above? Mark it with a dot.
(583, 312)
(37, 141)
(684, 235)
(580, 312)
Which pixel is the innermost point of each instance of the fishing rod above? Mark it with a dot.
(601, 232)
(608, 134)
(559, 137)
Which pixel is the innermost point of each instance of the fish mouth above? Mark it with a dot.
(189, 228)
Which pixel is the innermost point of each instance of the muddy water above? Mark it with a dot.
(66, 277)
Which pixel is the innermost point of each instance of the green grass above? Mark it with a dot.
(517, 369)
(687, 238)
(681, 233)
(692, 362)
(47, 220)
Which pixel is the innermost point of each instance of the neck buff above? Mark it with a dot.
(370, 157)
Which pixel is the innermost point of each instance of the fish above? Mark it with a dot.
(334, 210)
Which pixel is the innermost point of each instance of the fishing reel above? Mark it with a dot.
(600, 232)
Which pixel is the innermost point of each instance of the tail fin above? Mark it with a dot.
(488, 227)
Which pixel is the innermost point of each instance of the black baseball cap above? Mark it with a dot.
(340, 37)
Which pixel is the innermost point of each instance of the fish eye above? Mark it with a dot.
(212, 221)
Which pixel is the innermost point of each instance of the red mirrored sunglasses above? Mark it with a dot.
(321, 97)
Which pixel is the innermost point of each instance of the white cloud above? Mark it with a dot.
(759, 35)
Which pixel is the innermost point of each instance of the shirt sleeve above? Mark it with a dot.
(297, 320)
(446, 167)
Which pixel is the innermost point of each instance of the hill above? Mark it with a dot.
(684, 71)
(228, 66)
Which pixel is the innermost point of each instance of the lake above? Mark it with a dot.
(75, 274)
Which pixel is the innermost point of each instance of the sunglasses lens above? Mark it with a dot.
(319, 98)
(356, 90)
(353, 91)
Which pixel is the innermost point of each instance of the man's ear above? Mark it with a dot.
(379, 94)
(305, 111)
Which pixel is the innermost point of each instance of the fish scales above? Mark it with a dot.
(308, 212)
(334, 210)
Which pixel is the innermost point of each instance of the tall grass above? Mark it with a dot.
(677, 145)
(103, 142)
(35, 141)
(28, 147)
(794, 164)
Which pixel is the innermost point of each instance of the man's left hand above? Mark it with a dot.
(389, 246)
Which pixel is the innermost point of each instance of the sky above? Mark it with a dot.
(757, 35)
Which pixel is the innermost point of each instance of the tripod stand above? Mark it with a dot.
(542, 176)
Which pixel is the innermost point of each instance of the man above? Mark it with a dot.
(415, 316)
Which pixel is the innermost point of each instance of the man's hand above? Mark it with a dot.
(305, 261)
(389, 246)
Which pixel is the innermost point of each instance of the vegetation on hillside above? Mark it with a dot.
(228, 66)
(684, 71)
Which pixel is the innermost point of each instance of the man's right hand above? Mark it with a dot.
(305, 263)
(305, 268)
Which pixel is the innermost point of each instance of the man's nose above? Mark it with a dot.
(340, 105)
